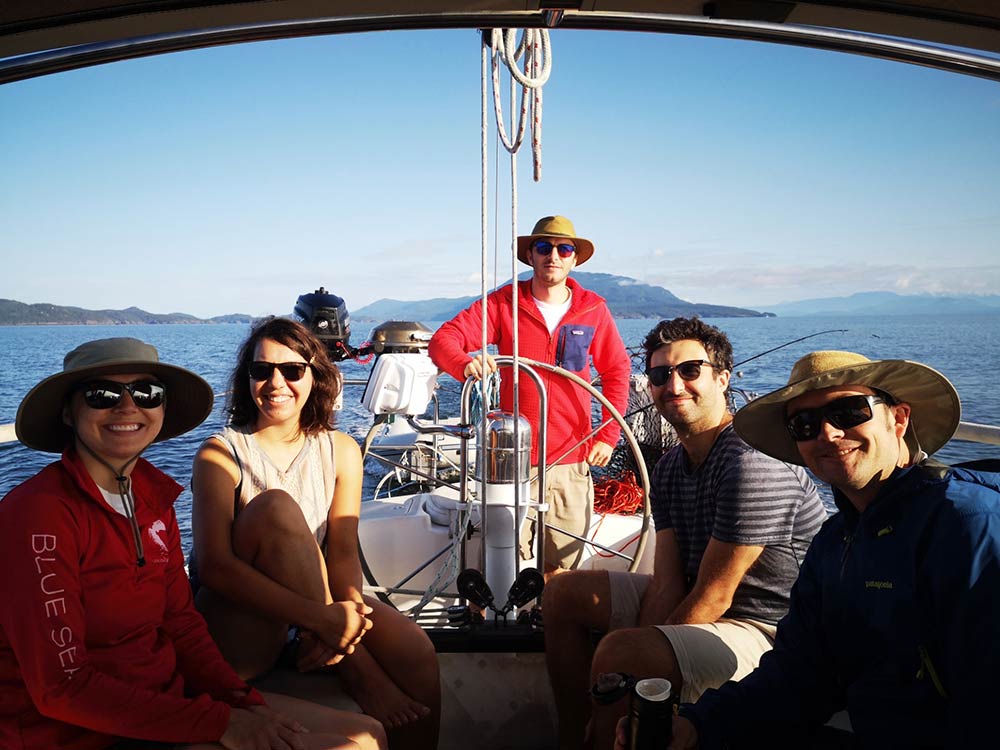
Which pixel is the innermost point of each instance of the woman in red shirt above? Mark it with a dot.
(99, 638)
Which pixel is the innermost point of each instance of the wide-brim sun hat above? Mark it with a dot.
(554, 226)
(935, 409)
(39, 423)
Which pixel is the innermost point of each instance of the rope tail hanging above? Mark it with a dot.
(500, 45)
(535, 48)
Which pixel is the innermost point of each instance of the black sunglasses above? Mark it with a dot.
(690, 370)
(290, 371)
(564, 249)
(105, 394)
(843, 413)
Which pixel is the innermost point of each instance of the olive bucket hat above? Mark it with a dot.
(935, 409)
(39, 422)
(554, 226)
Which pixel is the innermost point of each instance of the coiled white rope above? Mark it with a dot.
(536, 48)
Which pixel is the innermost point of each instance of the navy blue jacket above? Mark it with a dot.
(895, 617)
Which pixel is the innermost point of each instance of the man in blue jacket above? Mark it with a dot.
(896, 613)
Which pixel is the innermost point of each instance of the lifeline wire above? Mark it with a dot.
(535, 48)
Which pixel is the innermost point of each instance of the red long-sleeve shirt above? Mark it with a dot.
(587, 331)
(92, 646)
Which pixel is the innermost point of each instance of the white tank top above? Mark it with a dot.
(310, 479)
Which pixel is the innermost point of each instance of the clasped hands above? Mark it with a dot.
(340, 628)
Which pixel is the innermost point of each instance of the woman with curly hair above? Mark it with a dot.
(276, 501)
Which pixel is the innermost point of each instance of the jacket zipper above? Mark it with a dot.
(848, 541)
(926, 669)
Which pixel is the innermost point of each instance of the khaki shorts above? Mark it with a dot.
(569, 492)
(707, 654)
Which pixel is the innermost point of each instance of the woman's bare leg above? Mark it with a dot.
(270, 534)
(394, 675)
(329, 729)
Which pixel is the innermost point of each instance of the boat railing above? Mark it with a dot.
(977, 433)
(972, 432)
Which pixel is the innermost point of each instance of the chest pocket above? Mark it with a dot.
(573, 346)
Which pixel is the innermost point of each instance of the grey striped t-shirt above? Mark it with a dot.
(739, 495)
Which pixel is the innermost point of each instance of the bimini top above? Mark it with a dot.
(48, 29)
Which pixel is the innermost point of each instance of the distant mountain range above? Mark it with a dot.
(626, 297)
(890, 303)
(14, 313)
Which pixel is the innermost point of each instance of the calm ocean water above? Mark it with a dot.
(965, 348)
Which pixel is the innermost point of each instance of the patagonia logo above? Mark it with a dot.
(878, 584)
(576, 332)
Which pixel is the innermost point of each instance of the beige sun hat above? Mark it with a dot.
(39, 422)
(554, 226)
(935, 409)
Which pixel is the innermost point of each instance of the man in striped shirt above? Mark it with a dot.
(732, 526)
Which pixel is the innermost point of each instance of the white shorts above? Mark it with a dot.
(709, 654)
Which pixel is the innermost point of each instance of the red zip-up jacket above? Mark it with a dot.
(587, 331)
(93, 647)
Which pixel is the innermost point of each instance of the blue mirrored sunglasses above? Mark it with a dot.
(564, 249)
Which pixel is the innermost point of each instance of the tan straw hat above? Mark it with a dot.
(39, 423)
(554, 226)
(935, 409)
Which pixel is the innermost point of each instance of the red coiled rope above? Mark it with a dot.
(364, 359)
(621, 496)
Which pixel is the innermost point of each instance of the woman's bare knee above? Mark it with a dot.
(271, 518)
(272, 507)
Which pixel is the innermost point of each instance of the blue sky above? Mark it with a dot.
(234, 179)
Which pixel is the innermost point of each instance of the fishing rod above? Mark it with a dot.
(789, 343)
(634, 352)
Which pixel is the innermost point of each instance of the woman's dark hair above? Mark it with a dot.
(317, 414)
(716, 343)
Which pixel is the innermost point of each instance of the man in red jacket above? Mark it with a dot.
(561, 323)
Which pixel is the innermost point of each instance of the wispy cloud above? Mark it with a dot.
(756, 285)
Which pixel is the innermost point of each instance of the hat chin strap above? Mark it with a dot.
(124, 491)
(917, 454)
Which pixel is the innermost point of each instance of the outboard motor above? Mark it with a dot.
(502, 528)
(326, 316)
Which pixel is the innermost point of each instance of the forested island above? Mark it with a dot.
(13, 313)
(626, 297)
